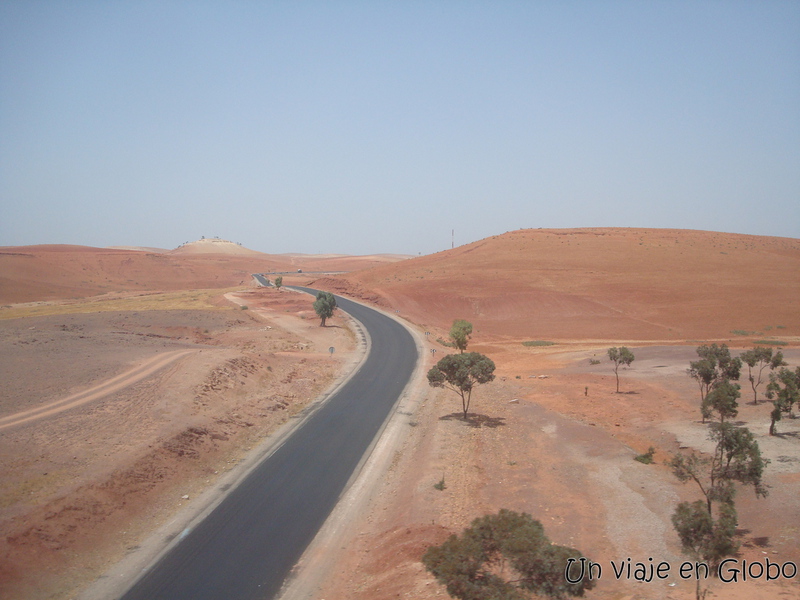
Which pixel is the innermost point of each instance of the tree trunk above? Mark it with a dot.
(465, 403)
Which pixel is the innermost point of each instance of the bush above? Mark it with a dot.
(647, 457)
(504, 557)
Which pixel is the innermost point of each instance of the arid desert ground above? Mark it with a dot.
(135, 380)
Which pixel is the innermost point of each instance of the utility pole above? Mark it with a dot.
(452, 239)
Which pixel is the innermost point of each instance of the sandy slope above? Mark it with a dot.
(623, 284)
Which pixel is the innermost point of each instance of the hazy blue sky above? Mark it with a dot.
(361, 127)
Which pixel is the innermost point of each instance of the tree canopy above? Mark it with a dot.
(460, 373)
(757, 360)
(722, 400)
(715, 366)
(502, 557)
(704, 538)
(784, 391)
(459, 333)
(620, 356)
(736, 459)
(324, 306)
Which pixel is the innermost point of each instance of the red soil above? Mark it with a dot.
(563, 451)
(606, 284)
(54, 272)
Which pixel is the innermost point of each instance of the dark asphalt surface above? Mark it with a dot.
(246, 547)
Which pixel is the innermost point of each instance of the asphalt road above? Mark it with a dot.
(246, 547)
(262, 280)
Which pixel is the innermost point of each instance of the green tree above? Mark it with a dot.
(620, 356)
(459, 333)
(324, 306)
(279, 281)
(715, 365)
(736, 459)
(504, 557)
(460, 373)
(704, 538)
(784, 390)
(757, 360)
(722, 399)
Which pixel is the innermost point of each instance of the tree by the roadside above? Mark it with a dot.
(784, 391)
(459, 333)
(324, 306)
(758, 359)
(715, 365)
(504, 557)
(620, 356)
(279, 281)
(722, 400)
(707, 534)
(461, 373)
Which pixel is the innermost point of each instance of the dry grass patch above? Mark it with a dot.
(183, 300)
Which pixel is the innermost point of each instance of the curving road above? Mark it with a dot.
(245, 548)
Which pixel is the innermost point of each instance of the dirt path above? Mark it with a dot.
(96, 392)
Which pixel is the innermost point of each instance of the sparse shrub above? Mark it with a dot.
(445, 343)
(647, 457)
(538, 343)
(441, 485)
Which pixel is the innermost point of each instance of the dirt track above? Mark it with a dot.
(95, 392)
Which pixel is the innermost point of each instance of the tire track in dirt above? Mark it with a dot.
(96, 392)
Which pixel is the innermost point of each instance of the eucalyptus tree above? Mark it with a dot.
(620, 356)
(461, 373)
(757, 360)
